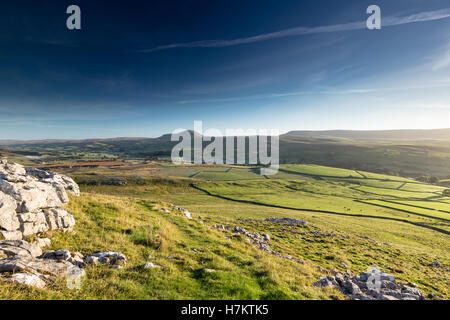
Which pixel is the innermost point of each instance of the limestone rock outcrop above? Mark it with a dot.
(373, 285)
(31, 201)
(26, 264)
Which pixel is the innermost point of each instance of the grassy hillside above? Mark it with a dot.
(345, 228)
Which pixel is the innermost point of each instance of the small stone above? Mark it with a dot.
(393, 293)
(361, 297)
(92, 260)
(43, 242)
(388, 285)
(340, 278)
(436, 264)
(352, 288)
(187, 214)
(388, 277)
(321, 269)
(373, 292)
(412, 291)
(410, 297)
(151, 265)
(387, 297)
(326, 282)
(111, 258)
(27, 279)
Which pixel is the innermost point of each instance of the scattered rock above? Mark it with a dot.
(256, 239)
(289, 221)
(26, 279)
(367, 238)
(74, 258)
(13, 248)
(107, 258)
(435, 264)
(317, 233)
(92, 260)
(151, 265)
(373, 285)
(387, 297)
(186, 213)
(351, 287)
(321, 269)
(25, 263)
(21, 257)
(327, 282)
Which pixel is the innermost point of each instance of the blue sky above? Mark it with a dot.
(146, 68)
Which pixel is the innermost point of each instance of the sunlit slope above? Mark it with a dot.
(342, 192)
(344, 226)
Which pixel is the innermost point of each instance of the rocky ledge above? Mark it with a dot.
(31, 201)
(25, 263)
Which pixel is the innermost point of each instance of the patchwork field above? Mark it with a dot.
(352, 220)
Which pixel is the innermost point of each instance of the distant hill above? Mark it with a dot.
(163, 138)
(405, 152)
(378, 135)
(50, 141)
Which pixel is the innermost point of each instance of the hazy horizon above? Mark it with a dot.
(281, 133)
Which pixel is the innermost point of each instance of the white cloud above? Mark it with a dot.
(386, 22)
(415, 87)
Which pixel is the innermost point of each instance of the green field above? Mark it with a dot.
(320, 171)
(435, 205)
(396, 193)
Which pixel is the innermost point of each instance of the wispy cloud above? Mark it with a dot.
(442, 62)
(298, 31)
(443, 84)
(279, 95)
